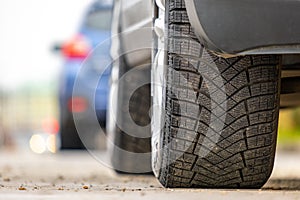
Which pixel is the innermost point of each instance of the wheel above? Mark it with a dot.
(215, 118)
(69, 137)
(129, 147)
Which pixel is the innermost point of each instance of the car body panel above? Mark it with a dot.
(248, 26)
(135, 32)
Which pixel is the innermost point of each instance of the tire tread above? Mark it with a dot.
(244, 155)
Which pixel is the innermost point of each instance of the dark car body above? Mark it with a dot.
(136, 37)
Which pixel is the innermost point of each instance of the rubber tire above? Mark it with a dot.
(139, 107)
(244, 156)
(69, 137)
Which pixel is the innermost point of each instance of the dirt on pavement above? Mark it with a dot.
(78, 175)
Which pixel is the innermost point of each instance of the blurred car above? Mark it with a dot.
(220, 72)
(84, 77)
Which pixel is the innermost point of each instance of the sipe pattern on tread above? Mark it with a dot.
(244, 154)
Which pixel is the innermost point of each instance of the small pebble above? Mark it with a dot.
(22, 188)
(85, 187)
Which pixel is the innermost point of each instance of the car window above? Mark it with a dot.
(100, 20)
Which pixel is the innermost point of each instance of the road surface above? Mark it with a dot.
(78, 175)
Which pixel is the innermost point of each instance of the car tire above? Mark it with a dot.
(129, 149)
(69, 137)
(220, 121)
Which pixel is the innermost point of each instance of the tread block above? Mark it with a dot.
(198, 154)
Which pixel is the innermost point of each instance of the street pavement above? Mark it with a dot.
(79, 175)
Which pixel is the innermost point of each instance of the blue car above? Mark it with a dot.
(84, 78)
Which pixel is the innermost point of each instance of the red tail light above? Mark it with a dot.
(50, 126)
(78, 47)
(77, 105)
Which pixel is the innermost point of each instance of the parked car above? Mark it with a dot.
(83, 87)
(217, 70)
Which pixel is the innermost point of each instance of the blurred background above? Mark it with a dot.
(29, 72)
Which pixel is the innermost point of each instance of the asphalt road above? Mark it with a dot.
(78, 175)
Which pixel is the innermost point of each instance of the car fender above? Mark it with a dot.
(246, 27)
